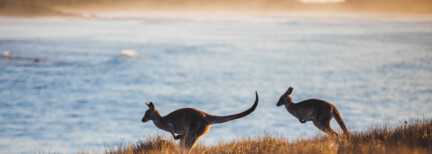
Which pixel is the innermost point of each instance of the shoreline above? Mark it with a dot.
(217, 16)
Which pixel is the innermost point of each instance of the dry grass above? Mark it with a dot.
(155, 144)
(404, 138)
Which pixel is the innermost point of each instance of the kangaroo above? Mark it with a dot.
(189, 123)
(316, 110)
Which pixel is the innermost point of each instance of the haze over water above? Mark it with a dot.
(84, 94)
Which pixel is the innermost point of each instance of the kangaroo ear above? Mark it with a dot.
(289, 91)
(151, 105)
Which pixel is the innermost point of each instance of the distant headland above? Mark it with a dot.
(36, 8)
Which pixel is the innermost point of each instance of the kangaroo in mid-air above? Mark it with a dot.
(316, 110)
(189, 123)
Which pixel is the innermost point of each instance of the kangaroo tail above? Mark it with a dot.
(340, 121)
(213, 119)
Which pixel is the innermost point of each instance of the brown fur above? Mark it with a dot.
(189, 123)
(318, 111)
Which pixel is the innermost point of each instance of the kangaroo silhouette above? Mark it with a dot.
(189, 123)
(318, 111)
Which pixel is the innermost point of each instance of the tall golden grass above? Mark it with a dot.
(412, 137)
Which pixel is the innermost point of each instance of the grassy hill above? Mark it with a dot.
(412, 137)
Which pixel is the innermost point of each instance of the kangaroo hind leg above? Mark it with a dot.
(325, 127)
(192, 137)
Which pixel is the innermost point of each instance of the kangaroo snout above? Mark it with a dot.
(278, 104)
(146, 118)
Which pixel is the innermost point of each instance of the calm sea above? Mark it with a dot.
(66, 87)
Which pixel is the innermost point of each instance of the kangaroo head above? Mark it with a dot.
(149, 114)
(285, 98)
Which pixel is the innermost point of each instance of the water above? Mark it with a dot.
(84, 95)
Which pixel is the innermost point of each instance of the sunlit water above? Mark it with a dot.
(84, 95)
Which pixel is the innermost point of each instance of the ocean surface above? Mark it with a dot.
(67, 87)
